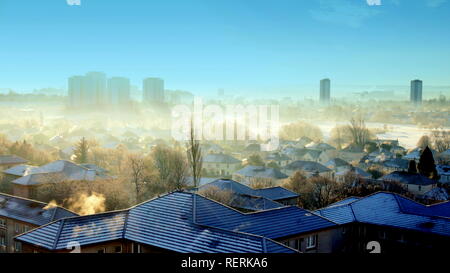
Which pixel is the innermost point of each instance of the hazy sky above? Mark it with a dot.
(238, 45)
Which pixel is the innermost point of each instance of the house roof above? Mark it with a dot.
(274, 223)
(20, 170)
(11, 159)
(261, 171)
(390, 209)
(352, 149)
(336, 162)
(220, 158)
(277, 193)
(308, 166)
(358, 171)
(57, 171)
(272, 193)
(30, 211)
(320, 146)
(277, 157)
(253, 203)
(396, 163)
(170, 222)
(408, 178)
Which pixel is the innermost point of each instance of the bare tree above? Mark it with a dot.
(360, 134)
(137, 171)
(179, 167)
(441, 140)
(194, 154)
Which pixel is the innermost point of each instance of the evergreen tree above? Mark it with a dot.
(81, 151)
(412, 167)
(426, 164)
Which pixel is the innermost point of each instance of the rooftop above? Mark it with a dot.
(261, 171)
(408, 178)
(11, 159)
(390, 209)
(30, 211)
(308, 166)
(174, 222)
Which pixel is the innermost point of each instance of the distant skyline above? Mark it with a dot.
(242, 46)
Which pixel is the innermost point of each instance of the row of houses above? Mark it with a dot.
(185, 222)
(23, 179)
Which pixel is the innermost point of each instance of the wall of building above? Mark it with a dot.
(9, 231)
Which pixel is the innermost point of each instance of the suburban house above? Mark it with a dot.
(28, 178)
(8, 161)
(303, 141)
(351, 153)
(414, 154)
(180, 222)
(279, 158)
(248, 199)
(337, 165)
(309, 168)
(220, 164)
(211, 149)
(397, 223)
(415, 183)
(328, 150)
(259, 174)
(353, 172)
(394, 164)
(19, 215)
(322, 146)
(307, 154)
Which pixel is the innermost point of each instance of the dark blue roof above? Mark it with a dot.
(31, 211)
(272, 193)
(389, 209)
(408, 178)
(251, 199)
(274, 223)
(169, 222)
(276, 193)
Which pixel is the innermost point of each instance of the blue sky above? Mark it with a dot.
(238, 45)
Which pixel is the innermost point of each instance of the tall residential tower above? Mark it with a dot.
(153, 90)
(325, 91)
(416, 91)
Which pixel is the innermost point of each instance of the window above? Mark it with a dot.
(18, 246)
(118, 249)
(2, 222)
(103, 250)
(136, 248)
(311, 241)
(17, 227)
(24, 229)
(2, 240)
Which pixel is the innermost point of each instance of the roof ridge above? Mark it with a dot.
(58, 234)
(125, 224)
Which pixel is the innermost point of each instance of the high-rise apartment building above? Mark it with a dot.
(118, 90)
(325, 91)
(416, 91)
(153, 89)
